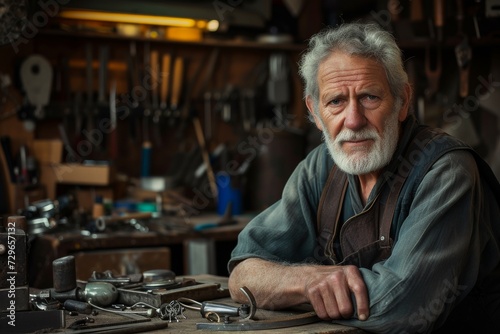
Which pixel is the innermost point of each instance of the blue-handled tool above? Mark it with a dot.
(227, 219)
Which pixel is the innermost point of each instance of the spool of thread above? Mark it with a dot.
(146, 159)
(64, 273)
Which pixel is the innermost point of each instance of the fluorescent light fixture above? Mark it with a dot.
(212, 25)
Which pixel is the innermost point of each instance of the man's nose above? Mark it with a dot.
(354, 116)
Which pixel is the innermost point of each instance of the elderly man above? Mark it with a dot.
(389, 226)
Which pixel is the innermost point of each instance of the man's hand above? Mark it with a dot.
(327, 288)
(329, 292)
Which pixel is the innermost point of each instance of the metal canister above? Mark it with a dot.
(64, 273)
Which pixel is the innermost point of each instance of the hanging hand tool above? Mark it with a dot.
(207, 105)
(155, 106)
(103, 111)
(113, 138)
(89, 107)
(9, 158)
(64, 91)
(207, 95)
(78, 113)
(187, 111)
(278, 92)
(463, 52)
(225, 102)
(146, 143)
(155, 74)
(71, 156)
(23, 167)
(176, 90)
(416, 12)
(133, 83)
(401, 26)
(165, 87)
(103, 79)
(247, 97)
(149, 84)
(182, 162)
(206, 159)
(434, 74)
(418, 21)
(439, 19)
(146, 158)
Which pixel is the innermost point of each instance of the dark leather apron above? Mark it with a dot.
(364, 238)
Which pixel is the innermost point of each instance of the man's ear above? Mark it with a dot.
(405, 107)
(310, 107)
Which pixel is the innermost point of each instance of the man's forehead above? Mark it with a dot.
(340, 60)
(341, 67)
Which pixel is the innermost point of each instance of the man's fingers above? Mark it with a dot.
(316, 300)
(358, 288)
(331, 295)
(342, 294)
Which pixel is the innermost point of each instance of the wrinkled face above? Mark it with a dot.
(358, 115)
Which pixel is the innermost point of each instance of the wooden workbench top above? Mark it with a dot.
(193, 317)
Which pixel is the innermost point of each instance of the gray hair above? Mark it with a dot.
(362, 39)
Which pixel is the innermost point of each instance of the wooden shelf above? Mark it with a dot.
(450, 42)
(209, 42)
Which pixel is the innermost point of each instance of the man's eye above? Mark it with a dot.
(335, 102)
(370, 101)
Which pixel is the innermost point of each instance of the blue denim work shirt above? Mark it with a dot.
(449, 237)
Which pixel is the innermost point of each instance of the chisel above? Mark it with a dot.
(176, 89)
(146, 143)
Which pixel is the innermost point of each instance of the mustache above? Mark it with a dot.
(350, 135)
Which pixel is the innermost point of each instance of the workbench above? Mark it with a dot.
(189, 325)
(192, 318)
(156, 249)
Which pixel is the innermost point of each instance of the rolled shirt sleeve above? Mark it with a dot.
(285, 232)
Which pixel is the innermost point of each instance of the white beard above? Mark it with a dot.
(362, 161)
